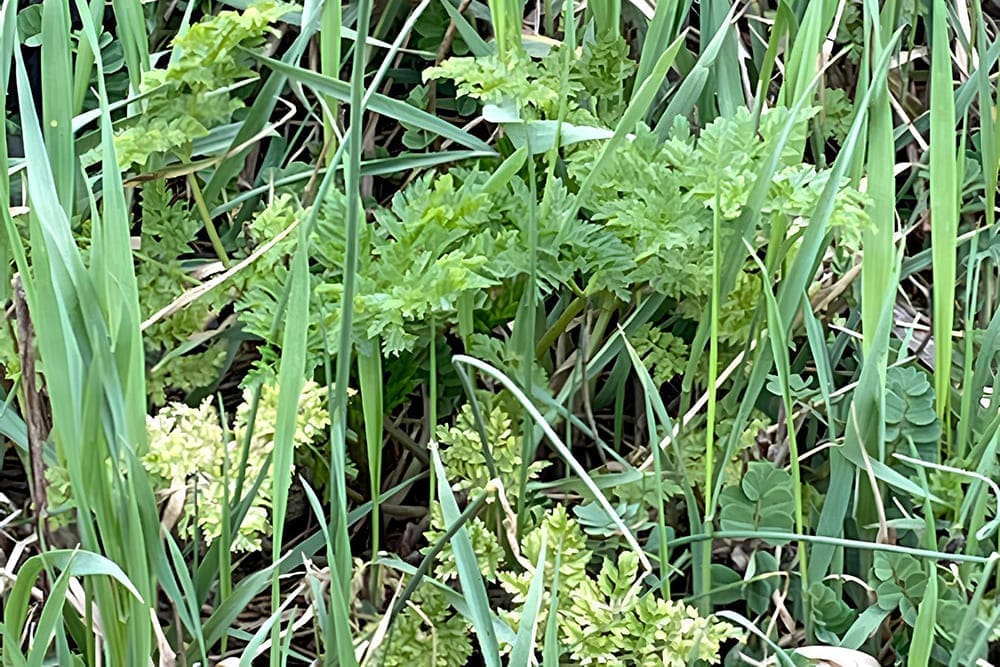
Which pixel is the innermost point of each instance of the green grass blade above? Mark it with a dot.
(57, 99)
(943, 206)
(655, 401)
(133, 36)
(339, 551)
(372, 407)
(686, 96)
(803, 266)
(923, 631)
(726, 89)
(551, 648)
(524, 647)
(784, 24)
(330, 63)
(561, 449)
(469, 574)
(877, 291)
(659, 35)
(291, 378)
(477, 45)
(397, 110)
(776, 329)
(259, 114)
(75, 562)
(988, 126)
(802, 60)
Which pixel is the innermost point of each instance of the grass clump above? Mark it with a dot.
(483, 334)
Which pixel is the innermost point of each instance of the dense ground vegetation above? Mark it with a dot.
(434, 333)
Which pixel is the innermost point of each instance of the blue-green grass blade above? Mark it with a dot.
(57, 99)
(659, 35)
(802, 60)
(686, 96)
(130, 20)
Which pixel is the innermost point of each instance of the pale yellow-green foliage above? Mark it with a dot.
(192, 459)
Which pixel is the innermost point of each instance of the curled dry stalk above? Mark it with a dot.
(37, 415)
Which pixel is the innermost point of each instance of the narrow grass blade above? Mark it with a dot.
(802, 60)
(563, 451)
(133, 36)
(259, 113)
(458, 601)
(725, 92)
(877, 291)
(477, 45)
(76, 563)
(395, 109)
(57, 99)
(691, 87)
(659, 35)
(524, 647)
(923, 631)
(655, 401)
(330, 63)
(291, 377)
(943, 205)
(989, 140)
(551, 648)
(776, 329)
(370, 383)
(469, 573)
(969, 624)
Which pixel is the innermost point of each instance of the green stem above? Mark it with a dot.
(603, 320)
(705, 602)
(206, 217)
(557, 329)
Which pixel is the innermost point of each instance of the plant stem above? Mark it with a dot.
(560, 325)
(206, 217)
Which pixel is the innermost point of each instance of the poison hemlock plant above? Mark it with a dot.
(663, 354)
(189, 97)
